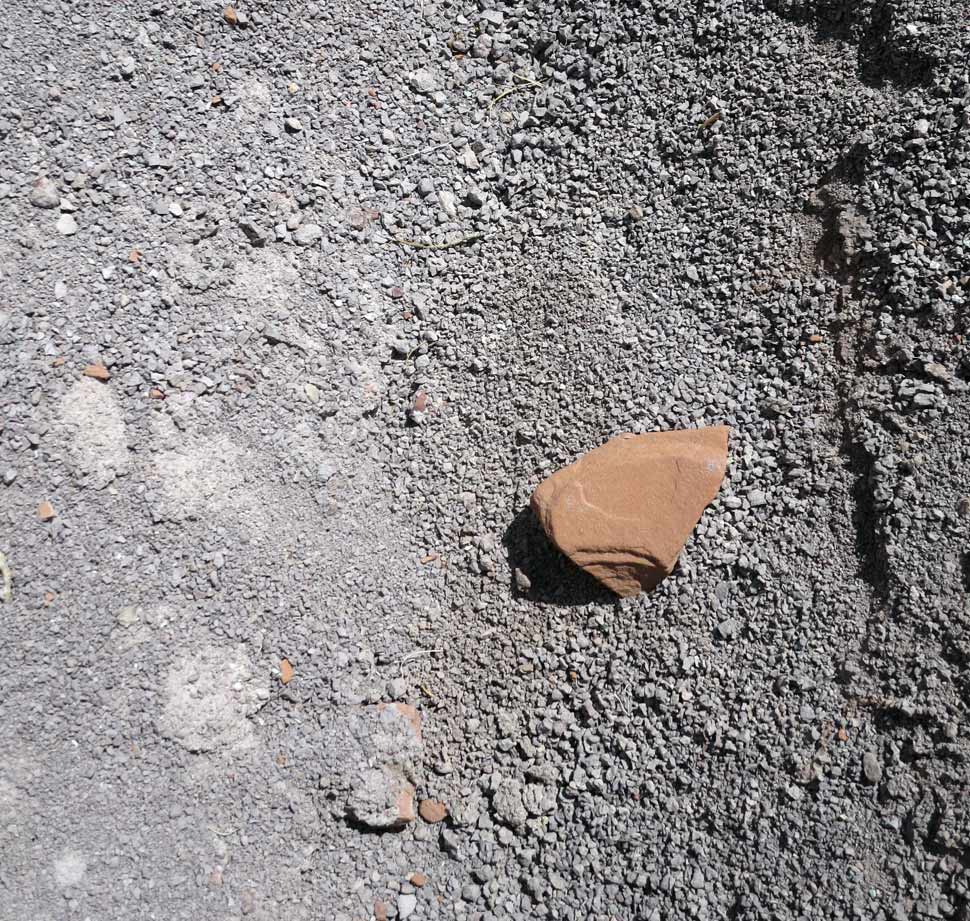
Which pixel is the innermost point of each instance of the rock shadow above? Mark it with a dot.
(887, 54)
(554, 578)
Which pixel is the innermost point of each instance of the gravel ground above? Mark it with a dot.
(300, 303)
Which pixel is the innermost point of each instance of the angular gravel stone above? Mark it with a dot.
(67, 225)
(44, 194)
(508, 805)
(406, 904)
(307, 234)
(871, 768)
(423, 81)
(256, 234)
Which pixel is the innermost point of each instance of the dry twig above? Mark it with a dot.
(448, 244)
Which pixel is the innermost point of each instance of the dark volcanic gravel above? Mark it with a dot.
(300, 303)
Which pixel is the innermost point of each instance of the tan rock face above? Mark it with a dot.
(432, 811)
(624, 511)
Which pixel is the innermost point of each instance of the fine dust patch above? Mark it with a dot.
(210, 693)
(254, 99)
(201, 478)
(11, 805)
(194, 269)
(268, 279)
(99, 447)
(69, 869)
(137, 625)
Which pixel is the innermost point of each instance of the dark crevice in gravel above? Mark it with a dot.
(869, 541)
(552, 577)
(875, 27)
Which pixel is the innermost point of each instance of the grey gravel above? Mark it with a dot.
(423, 81)
(361, 281)
(307, 234)
(254, 232)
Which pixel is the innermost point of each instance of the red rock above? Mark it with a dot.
(229, 14)
(98, 372)
(405, 804)
(418, 879)
(286, 671)
(432, 811)
(624, 511)
(45, 511)
(380, 911)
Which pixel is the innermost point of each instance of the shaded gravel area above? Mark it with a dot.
(300, 303)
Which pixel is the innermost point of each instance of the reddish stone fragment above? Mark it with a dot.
(98, 372)
(624, 511)
(432, 811)
(286, 671)
(405, 804)
(45, 511)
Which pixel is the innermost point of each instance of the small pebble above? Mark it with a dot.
(44, 194)
(67, 225)
(871, 768)
(406, 904)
